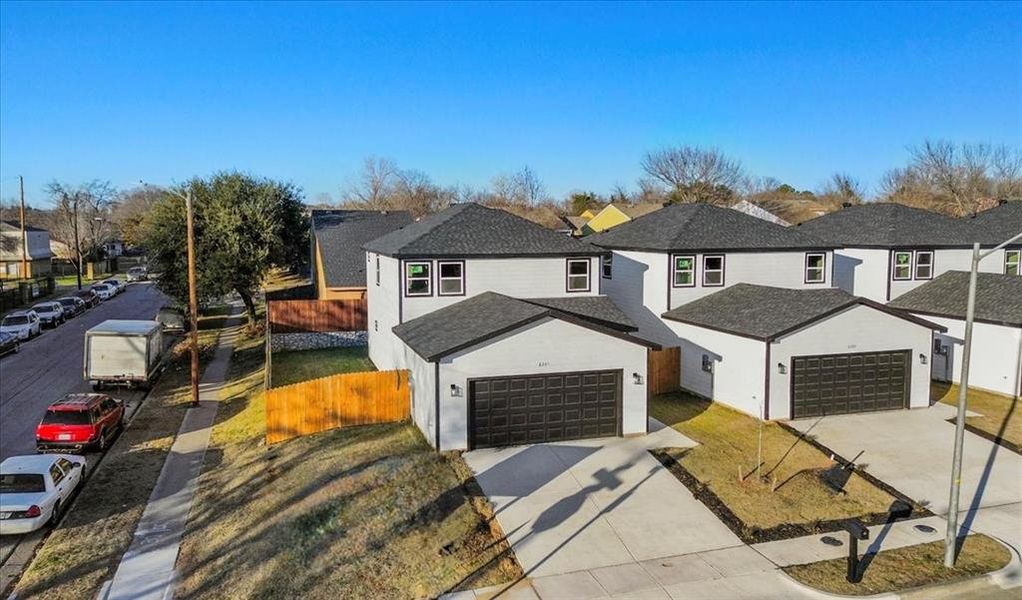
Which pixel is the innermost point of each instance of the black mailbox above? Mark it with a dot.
(856, 531)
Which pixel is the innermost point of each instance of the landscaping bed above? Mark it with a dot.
(904, 568)
(1000, 419)
(790, 499)
(303, 365)
(362, 512)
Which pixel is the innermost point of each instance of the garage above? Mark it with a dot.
(837, 384)
(539, 408)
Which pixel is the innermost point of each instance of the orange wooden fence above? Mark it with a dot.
(299, 316)
(336, 401)
(664, 370)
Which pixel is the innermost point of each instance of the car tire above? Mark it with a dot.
(101, 444)
(17, 347)
(98, 386)
(55, 515)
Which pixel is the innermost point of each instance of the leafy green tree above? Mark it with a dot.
(243, 227)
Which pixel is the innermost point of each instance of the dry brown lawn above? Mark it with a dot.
(1001, 415)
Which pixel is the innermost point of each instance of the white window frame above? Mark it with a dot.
(428, 278)
(894, 265)
(607, 266)
(1016, 263)
(915, 264)
(675, 271)
(441, 279)
(720, 270)
(822, 268)
(569, 275)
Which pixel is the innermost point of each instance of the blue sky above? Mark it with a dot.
(579, 92)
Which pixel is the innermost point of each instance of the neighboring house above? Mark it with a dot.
(778, 353)
(37, 245)
(617, 213)
(999, 224)
(574, 225)
(889, 249)
(996, 363)
(113, 248)
(759, 212)
(338, 260)
(502, 326)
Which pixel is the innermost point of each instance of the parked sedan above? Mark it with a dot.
(90, 297)
(104, 291)
(33, 489)
(80, 422)
(73, 306)
(115, 284)
(23, 323)
(9, 343)
(50, 314)
(138, 274)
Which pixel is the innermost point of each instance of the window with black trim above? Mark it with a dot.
(1012, 258)
(608, 266)
(713, 270)
(684, 271)
(578, 274)
(923, 265)
(816, 267)
(902, 266)
(451, 278)
(418, 279)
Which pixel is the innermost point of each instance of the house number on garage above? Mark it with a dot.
(543, 364)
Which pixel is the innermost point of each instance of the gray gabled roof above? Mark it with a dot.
(766, 313)
(16, 226)
(999, 224)
(484, 316)
(473, 230)
(341, 235)
(998, 297)
(890, 225)
(703, 227)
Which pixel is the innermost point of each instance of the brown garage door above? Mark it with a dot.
(528, 409)
(834, 384)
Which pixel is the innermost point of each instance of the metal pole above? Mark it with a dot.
(951, 538)
(24, 237)
(193, 302)
(78, 243)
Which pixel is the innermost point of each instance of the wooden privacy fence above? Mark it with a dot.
(336, 401)
(664, 370)
(301, 316)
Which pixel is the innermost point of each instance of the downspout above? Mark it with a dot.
(436, 398)
(766, 384)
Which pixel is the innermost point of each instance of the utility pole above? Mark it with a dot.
(24, 237)
(951, 536)
(78, 242)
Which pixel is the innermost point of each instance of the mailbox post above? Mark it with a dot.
(856, 531)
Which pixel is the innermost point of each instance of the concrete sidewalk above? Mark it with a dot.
(146, 571)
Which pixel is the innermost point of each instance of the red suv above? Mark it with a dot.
(80, 422)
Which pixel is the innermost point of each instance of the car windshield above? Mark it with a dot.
(66, 417)
(110, 282)
(67, 301)
(43, 308)
(14, 320)
(22, 483)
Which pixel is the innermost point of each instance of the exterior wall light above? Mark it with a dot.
(922, 358)
(637, 379)
(781, 368)
(455, 391)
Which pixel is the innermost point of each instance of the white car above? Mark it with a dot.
(137, 274)
(50, 314)
(23, 323)
(104, 291)
(116, 284)
(33, 489)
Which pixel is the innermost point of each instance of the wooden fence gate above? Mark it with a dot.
(664, 370)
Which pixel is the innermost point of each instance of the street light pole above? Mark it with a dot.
(951, 536)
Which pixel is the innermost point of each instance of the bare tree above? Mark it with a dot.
(839, 190)
(375, 184)
(693, 174)
(81, 219)
(522, 188)
(129, 210)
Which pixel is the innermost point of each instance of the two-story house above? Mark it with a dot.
(336, 240)
(760, 327)
(887, 249)
(501, 323)
(36, 245)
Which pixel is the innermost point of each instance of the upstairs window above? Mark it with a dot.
(924, 265)
(1012, 258)
(418, 279)
(578, 274)
(452, 278)
(902, 266)
(713, 270)
(608, 266)
(816, 267)
(684, 271)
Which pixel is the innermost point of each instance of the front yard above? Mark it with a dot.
(790, 500)
(362, 512)
(1001, 417)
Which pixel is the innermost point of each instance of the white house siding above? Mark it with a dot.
(738, 364)
(862, 272)
(422, 380)
(639, 287)
(382, 313)
(857, 329)
(546, 346)
(996, 363)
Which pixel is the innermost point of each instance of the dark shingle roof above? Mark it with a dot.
(341, 235)
(481, 317)
(473, 230)
(765, 313)
(998, 297)
(703, 227)
(1000, 223)
(890, 225)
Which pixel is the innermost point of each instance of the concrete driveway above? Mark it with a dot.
(587, 504)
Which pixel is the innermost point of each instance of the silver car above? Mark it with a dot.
(25, 324)
(50, 314)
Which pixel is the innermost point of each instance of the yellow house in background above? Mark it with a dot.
(615, 214)
(588, 214)
(339, 268)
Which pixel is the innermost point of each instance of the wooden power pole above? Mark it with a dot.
(24, 237)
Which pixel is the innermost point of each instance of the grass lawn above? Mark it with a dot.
(361, 512)
(905, 568)
(1002, 415)
(303, 365)
(728, 441)
(87, 547)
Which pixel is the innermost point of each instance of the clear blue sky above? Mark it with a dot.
(579, 92)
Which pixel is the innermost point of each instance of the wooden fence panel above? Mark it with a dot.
(664, 370)
(336, 401)
(301, 316)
